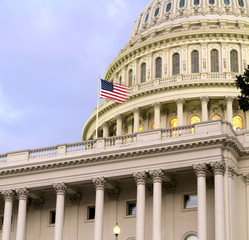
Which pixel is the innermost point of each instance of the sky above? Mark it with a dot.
(51, 53)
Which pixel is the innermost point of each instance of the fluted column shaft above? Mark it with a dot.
(157, 176)
(119, 125)
(60, 190)
(8, 199)
(219, 170)
(201, 171)
(136, 120)
(229, 101)
(179, 103)
(157, 115)
(105, 130)
(22, 194)
(140, 178)
(99, 184)
(204, 108)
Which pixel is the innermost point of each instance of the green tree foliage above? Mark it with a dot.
(242, 82)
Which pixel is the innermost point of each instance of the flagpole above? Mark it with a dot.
(97, 114)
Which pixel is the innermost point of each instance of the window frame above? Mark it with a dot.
(169, 3)
(127, 209)
(183, 202)
(174, 70)
(197, 62)
(214, 61)
(87, 212)
(143, 80)
(158, 73)
(50, 224)
(234, 61)
(130, 79)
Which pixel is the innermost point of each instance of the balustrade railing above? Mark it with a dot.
(178, 131)
(3, 158)
(43, 152)
(81, 146)
(120, 140)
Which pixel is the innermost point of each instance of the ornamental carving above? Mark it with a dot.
(8, 195)
(22, 193)
(204, 99)
(119, 117)
(136, 110)
(37, 202)
(179, 101)
(169, 187)
(75, 198)
(156, 105)
(231, 171)
(113, 194)
(99, 183)
(200, 170)
(229, 99)
(157, 175)
(218, 168)
(60, 188)
(140, 177)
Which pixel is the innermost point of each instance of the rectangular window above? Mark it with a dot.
(190, 201)
(131, 208)
(52, 214)
(90, 212)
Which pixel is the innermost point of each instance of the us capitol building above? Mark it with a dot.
(172, 163)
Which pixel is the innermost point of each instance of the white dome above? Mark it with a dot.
(160, 13)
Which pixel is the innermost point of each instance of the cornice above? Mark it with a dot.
(220, 141)
(108, 105)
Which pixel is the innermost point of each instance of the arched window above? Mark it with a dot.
(182, 3)
(195, 61)
(234, 61)
(143, 72)
(173, 122)
(176, 63)
(139, 24)
(214, 61)
(237, 123)
(158, 67)
(211, 2)
(195, 119)
(130, 77)
(196, 2)
(191, 237)
(147, 17)
(156, 12)
(168, 7)
(216, 117)
(227, 2)
(241, 3)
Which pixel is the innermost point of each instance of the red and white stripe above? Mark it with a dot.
(120, 93)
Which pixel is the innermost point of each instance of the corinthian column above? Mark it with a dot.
(119, 125)
(179, 103)
(99, 184)
(229, 101)
(157, 115)
(8, 199)
(136, 120)
(201, 172)
(204, 108)
(219, 170)
(157, 176)
(22, 194)
(60, 190)
(140, 179)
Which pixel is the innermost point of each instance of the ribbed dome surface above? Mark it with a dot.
(166, 12)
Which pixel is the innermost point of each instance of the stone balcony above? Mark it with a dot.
(178, 137)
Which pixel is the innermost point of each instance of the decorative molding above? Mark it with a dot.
(99, 183)
(60, 188)
(201, 170)
(113, 194)
(157, 175)
(8, 195)
(231, 171)
(75, 198)
(140, 177)
(218, 168)
(22, 193)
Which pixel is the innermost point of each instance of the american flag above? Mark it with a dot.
(116, 92)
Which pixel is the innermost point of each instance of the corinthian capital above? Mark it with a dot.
(22, 193)
(204, 99)
(179, 101)
(8, 195)
(140, 177)
(156, 104)
(119, 117)
(200, 170)
(60, 188)
(157, 175)
(229, 99)
(99, 183)
(218, 168)
(136, 110)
